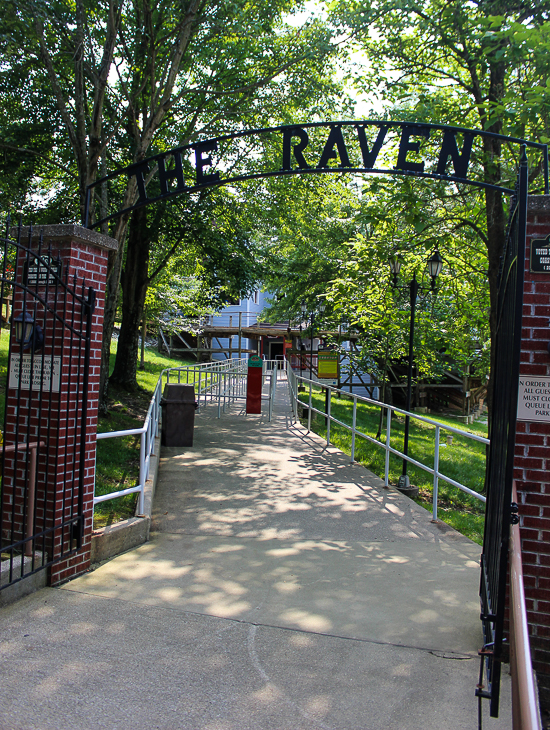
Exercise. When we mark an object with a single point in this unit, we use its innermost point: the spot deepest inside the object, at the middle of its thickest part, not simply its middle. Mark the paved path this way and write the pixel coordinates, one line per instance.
(282, 589)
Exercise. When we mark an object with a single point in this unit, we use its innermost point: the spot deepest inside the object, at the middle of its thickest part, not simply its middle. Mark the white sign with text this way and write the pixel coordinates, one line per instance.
(44, 376)
(534, 398)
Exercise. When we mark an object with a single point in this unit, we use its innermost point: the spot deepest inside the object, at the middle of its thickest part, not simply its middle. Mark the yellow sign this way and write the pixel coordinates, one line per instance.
(328, 366)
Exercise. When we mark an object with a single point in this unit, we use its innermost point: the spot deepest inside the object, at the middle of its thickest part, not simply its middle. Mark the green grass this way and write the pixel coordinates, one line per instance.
(470, 524)
(117, 467)
(463, 460)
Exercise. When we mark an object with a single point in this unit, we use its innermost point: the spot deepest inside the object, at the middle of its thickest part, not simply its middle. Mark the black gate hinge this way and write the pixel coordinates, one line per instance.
(514, 513)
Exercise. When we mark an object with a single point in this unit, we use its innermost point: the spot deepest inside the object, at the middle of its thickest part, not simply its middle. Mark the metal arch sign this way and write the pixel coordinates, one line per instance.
(436, 151)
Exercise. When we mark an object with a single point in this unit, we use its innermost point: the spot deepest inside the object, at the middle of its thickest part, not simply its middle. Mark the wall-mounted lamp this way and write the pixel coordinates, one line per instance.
(27, 333)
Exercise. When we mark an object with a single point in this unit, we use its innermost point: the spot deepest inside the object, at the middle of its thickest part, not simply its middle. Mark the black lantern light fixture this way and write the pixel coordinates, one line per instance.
(435, 265)
(396, 262)
(27, 333)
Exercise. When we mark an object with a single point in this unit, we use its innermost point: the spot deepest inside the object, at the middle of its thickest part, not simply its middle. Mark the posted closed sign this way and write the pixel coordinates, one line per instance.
(328, 365)
(44, 375)
(534, 398)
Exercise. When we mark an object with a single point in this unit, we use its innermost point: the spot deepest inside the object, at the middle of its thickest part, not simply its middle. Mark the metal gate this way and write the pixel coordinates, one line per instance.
(45, 351)
(499, 508)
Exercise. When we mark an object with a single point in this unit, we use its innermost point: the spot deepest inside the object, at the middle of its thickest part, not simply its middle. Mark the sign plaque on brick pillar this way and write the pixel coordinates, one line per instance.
(65, 273)
(532, 450)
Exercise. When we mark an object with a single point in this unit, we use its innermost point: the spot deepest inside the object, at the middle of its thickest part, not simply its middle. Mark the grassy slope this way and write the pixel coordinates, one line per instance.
(464, 460)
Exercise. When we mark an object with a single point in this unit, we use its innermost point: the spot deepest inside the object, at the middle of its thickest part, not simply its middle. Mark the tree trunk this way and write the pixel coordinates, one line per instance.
(134, 280)
(114, 265)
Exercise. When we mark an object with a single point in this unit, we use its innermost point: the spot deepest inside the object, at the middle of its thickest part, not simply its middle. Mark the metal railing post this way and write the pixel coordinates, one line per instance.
(329, 400)
(290, 378)
(388, 437)
(309, 409)
(353, 425)
(436, 475)
(142, 477)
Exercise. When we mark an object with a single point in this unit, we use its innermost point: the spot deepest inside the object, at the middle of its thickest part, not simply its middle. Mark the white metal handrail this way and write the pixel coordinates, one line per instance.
(210, 379)
(223, 381)
(207, 375)
(525, 709)
(148, 433)
(294, 380)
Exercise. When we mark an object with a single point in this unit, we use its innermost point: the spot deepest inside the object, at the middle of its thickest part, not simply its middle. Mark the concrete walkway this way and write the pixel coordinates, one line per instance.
(282, 589)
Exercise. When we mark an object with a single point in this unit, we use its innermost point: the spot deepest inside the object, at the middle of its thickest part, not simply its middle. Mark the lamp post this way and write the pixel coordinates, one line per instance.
(303, 309)
(435, 264)
(311, 320)
(343, 327)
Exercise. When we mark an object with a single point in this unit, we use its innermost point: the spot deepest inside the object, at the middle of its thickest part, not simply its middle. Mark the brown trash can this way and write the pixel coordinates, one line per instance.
(178, 414)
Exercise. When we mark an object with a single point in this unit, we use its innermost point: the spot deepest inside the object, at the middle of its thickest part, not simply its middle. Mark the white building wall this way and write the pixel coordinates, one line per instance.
(229, 316)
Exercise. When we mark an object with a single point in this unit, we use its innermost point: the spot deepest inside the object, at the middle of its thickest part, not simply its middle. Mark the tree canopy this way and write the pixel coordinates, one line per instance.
(124, 79)
(93, 87)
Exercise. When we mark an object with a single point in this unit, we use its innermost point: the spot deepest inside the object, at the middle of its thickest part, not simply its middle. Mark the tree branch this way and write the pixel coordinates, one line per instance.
(42, 156)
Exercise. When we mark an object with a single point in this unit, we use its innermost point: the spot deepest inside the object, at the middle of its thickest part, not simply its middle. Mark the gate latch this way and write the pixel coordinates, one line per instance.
(514, 513)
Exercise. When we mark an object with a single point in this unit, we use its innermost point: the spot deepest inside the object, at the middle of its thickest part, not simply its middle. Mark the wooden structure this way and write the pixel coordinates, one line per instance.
(207, 341)
(463, 395)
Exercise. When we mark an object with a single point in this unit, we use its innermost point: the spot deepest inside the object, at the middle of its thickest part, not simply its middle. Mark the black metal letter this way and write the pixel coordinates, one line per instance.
(406, 146)
(165, 176)
(288, 134)
(449, 149)
(369, 156)
(335, 138)
(201, 162)
(137, 172)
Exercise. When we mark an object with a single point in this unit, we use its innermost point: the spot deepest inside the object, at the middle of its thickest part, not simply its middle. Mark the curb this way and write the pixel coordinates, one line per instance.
(127, 534)
(31, 583)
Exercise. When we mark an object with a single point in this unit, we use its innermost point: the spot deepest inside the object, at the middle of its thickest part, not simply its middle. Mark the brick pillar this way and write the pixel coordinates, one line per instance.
(83, 254)
(532, 451)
